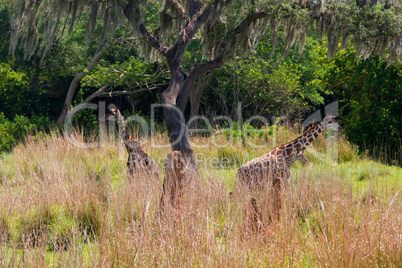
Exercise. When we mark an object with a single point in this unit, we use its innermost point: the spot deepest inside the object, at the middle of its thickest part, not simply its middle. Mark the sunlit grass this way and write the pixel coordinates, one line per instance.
(61, 205)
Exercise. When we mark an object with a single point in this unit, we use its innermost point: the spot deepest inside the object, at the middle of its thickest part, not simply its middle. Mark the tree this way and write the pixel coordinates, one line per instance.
(371, 102)
(258, 89)
(224, 27)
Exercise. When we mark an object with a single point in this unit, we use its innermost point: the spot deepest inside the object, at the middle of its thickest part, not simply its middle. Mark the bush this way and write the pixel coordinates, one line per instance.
(370, 95)
(16, 95)
(248, 131)
(7, 139)
(15, 131)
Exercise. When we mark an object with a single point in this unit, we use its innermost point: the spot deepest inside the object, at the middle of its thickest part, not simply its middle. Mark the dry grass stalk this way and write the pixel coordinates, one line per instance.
(65, 206)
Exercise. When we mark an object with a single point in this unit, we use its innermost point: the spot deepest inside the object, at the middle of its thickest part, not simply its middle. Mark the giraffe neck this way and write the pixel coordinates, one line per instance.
(307, 138)
(290, 160)
(128, 139)
(122, 126)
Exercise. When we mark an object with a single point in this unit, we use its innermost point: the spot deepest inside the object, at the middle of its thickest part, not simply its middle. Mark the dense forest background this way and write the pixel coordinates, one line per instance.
(33, 87)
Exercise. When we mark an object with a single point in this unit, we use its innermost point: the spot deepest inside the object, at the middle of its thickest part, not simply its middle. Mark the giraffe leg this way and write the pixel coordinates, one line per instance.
(257, 223)
(277, 199)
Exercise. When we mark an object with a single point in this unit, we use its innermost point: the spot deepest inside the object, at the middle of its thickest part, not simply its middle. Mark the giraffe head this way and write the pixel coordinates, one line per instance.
(329, 122)
(114, 111)
(298, 155)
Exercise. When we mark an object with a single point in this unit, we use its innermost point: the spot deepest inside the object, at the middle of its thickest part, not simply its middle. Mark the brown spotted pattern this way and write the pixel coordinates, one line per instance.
(278, 161)
(273, 169)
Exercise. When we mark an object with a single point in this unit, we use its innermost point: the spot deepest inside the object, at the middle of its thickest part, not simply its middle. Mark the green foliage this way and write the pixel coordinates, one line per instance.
(86, 120)
(371, 102)
(261, 89)
(14, 91)
(247, 131)
(16, 95)
(132, 72)
(4, 28)
(6, 138)
(308, 66)
(14, 131)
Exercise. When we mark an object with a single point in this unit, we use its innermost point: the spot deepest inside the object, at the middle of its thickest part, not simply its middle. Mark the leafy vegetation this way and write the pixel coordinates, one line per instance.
(371, 102)
(274, 68)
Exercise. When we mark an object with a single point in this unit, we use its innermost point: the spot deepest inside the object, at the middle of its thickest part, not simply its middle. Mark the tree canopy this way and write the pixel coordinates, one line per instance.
(218, 31)
(224, 26)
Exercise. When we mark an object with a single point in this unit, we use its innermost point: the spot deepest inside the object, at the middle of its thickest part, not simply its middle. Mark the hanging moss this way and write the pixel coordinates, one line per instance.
(373, 26)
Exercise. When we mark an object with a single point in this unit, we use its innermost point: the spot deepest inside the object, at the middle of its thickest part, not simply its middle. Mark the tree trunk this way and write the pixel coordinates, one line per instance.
(69, 98)
(195, 98)
(174, 119)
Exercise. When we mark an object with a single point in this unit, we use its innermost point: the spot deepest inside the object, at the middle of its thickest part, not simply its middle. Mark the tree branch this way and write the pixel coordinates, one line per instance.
(77, 79)
(243, 26)
(101, 93)
(193, 7)
(187, 34)
(155, 43)
(131, 10)
(215, 63)
(192, 77)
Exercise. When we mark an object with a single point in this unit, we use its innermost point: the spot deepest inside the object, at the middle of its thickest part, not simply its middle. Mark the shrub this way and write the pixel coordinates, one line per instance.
(7, 139)
(15, 131)
(247, 131)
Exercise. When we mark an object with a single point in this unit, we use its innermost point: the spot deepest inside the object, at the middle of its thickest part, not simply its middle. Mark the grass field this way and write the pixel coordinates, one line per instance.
(66, 206)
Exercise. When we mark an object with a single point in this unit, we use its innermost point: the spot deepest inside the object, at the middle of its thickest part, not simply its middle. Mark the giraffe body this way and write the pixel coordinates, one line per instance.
(269, 166)
(273, 169)
(278, 161)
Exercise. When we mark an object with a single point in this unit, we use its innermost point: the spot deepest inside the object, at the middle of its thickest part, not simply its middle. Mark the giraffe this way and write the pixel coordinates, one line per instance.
(138, 162)
(279, 176)
(255, 173)
(273, 168)
(278, 159)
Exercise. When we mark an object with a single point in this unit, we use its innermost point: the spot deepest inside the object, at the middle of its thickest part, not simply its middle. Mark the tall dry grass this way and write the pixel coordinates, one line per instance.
(65, 206)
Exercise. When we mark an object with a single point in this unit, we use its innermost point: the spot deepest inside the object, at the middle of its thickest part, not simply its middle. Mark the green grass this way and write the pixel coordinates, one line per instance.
(65, 206)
